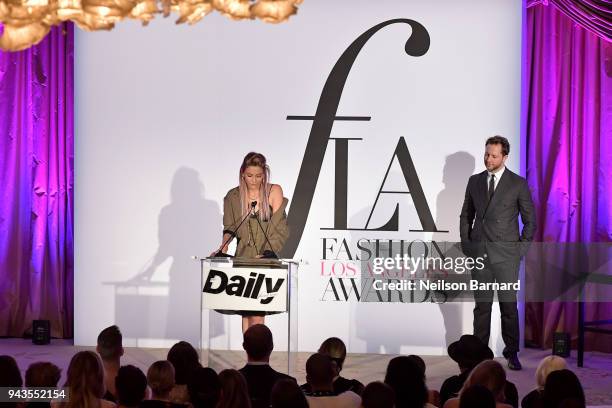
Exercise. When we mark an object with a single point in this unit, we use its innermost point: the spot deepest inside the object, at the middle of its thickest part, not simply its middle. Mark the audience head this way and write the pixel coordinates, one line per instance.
(378, 395)
(185, 360)
(42, 374)
(131, 385)
(562, 385)
(320, 372)
(234, 390)
(406, 378)
(336, 350)
(110, 345)
(10, 376)
(204, 388)
(85, 379)
(547, 366)
(572, 403)
(160, 377)
(258, 343)
(491, 375)
(477, 396)
(287, 394)
(469, 351)
(418, 361)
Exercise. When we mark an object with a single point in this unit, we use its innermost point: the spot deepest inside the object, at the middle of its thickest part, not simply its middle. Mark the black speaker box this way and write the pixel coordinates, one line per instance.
(41, 332)
(562, 344)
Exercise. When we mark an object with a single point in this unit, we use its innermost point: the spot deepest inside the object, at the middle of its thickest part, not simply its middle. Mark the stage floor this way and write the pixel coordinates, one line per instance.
(596, 376)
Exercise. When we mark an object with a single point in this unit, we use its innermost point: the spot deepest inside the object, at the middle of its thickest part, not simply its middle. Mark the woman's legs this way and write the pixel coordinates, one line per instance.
(248, 321)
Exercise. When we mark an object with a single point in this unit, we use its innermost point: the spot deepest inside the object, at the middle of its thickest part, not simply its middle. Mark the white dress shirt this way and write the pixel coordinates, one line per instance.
(498, 175)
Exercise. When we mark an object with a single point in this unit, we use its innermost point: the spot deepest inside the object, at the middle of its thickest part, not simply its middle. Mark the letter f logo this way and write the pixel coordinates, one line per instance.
(323, 121)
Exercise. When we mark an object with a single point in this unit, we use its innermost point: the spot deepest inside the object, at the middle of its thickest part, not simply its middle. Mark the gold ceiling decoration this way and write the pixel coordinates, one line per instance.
(27, 22)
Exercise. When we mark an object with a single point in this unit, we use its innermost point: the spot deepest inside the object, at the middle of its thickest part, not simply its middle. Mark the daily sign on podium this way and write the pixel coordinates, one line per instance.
(245, 288)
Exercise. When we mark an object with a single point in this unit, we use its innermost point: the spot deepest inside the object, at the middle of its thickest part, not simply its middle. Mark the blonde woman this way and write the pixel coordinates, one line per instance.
(234, 390)
(489, 374)
(85, 381)
(254, 212)
(546, 366)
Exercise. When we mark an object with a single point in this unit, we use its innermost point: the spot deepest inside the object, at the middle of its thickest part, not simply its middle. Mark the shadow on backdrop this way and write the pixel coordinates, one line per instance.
(458, 167)
(148, 307)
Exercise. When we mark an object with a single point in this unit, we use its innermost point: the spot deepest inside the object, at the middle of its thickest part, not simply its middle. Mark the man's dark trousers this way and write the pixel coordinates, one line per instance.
(497, 272)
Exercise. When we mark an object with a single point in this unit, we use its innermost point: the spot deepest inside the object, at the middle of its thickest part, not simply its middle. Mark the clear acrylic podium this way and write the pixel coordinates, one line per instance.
(228, 284)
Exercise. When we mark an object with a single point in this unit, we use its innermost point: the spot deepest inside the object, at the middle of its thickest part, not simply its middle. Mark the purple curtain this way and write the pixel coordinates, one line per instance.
(568, 152)
(594, 15)
(36, 179)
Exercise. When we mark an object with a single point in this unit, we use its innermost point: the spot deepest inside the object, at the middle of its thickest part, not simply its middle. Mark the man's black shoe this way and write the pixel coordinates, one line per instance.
(513, 362)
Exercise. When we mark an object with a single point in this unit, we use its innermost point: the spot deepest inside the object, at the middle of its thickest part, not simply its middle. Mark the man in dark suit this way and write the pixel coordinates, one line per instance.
(260, 377)
(489, 229)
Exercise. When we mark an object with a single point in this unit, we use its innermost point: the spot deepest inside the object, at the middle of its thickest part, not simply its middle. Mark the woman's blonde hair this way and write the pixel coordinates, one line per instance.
(160, 378)
(490, 374)
(547, 366)
(85, 380)
(335, 349)
(255, 160)
(234, 390)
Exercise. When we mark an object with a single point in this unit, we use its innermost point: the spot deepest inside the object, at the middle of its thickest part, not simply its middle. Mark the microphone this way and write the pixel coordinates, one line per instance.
(268, 253)
(232, 233)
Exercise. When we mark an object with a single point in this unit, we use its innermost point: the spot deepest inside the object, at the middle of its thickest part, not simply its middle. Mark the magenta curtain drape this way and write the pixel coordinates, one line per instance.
(568, 152)
(36, 179)
(593, 15)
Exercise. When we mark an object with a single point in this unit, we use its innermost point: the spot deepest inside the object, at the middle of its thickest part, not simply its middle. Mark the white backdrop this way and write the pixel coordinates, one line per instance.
(165, 114)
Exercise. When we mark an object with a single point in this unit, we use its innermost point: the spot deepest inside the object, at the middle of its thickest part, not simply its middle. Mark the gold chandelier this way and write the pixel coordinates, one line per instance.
(26, 22)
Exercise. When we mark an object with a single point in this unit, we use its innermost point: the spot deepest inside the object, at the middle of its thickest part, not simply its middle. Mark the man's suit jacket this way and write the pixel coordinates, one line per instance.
(260, 380)
(492, 228)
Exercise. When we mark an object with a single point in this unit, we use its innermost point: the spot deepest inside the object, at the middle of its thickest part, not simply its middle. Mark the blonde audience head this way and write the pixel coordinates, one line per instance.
(85, 379)
(335, 349)
(160, 378)
(489, 374)
(547, 366)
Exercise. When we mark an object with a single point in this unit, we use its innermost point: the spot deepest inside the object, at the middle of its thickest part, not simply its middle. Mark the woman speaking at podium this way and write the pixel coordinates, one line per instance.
(254, 212)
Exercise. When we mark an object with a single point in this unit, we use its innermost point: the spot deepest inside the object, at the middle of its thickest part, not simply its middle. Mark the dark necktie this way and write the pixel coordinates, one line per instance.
(491, 186)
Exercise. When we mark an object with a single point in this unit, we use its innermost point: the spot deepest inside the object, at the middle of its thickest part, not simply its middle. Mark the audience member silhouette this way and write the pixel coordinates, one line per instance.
(10, 376)
(562, 387)
(477, 396)
(110, 349)
(185, 360)
(405, 377)
(433, 396)
(85, 382)
(546, 366)
(378, 395)
(131, 386)
(489, 374)
(287, 394)
(42, 374)
(234, 391)
(260, 377)
(320, 373)
(468, 352)
(204, 388)
(336, 350)
(160, 377)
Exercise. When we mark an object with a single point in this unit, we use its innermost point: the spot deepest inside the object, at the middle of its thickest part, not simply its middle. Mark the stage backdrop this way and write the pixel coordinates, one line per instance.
(165, 114)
